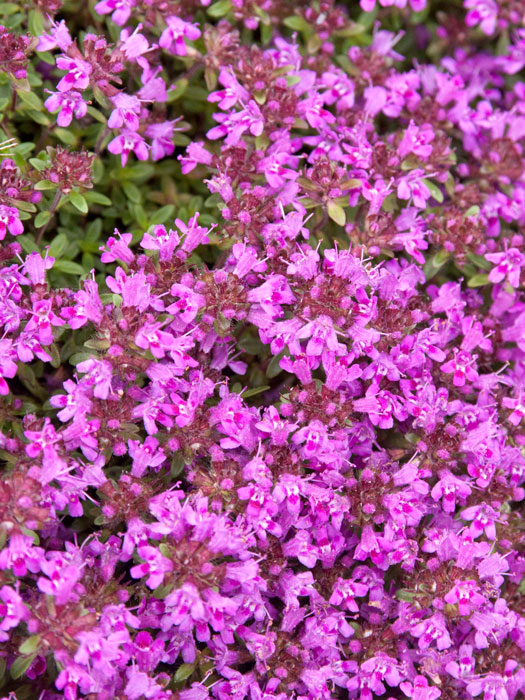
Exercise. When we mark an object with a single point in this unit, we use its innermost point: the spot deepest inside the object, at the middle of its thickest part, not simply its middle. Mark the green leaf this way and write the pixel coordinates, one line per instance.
(30, 645)
(478, 281)
(180, 139)
(184, 672)
(35, 22)
(20, 665)
(79, 357)
(58, 245)
(162, 215)
(140, 215)
(473, 210)
(31, 100)
(38, 164)
(132, 192)
(45, 185)
(219, 9)
(137, 173)
(69, 267)
(26, 206)
(210, 76)
(42, 218)
(434, 190)
(262, 142)
(8, 8)
(94, 197)
(297, 24)
(479, 261)
(178, 91)
(177, 464)
(351, 29)
(274, 368)
(55, 355)
(253, 392)
(336, 213)
(66, 136)
(79, 202)
(96, 114)
(433, 265)
(28, 244)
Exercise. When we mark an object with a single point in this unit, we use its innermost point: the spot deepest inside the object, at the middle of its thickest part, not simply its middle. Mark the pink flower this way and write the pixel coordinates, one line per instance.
(127, 142)
(161, 134)
(118, 248)
(10, 221)
(420, 689)
(78, 72)
(417, 140)
(517, 408)
(233, 92)
(508, 266)
(413, 188)
(67, 104)
(172, 38)
(12, 611)
(432, 629)
(127, 109)
(155, 566)
(145, 455)
(462, 366)
(58, 36)
(466, 595)
(449, 488)
(482, 12)
(120, 10)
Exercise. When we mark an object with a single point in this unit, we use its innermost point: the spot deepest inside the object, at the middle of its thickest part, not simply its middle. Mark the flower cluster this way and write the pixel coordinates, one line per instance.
(262, 397)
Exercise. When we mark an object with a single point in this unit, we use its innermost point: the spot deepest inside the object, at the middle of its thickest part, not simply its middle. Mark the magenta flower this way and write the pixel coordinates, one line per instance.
(78, 72)
(12, 611)
(161, 134)
(145, 455)
(233, 92)
(118, 248)
(462, 366)
(67, 104)
(155, 566)
(484, 13)
(127, 142)
(125, 112)
(508, 266)
(450, 488)
(466, 595)
(413, 188)
(432, 629)
(172, 38)
(10, 221)
(120, 10)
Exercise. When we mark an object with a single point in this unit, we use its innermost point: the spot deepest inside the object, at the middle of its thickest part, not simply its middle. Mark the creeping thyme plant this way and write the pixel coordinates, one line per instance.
(262, 358)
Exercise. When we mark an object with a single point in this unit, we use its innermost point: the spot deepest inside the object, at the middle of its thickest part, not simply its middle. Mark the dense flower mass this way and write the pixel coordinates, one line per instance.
(262, 350)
